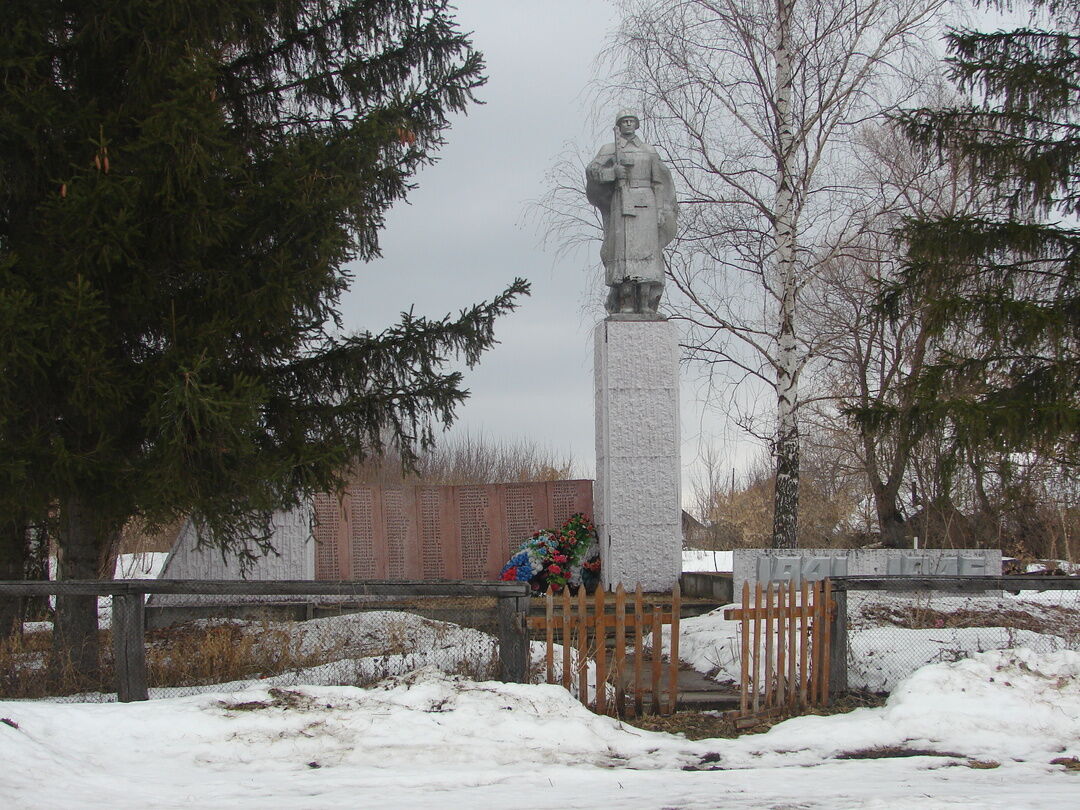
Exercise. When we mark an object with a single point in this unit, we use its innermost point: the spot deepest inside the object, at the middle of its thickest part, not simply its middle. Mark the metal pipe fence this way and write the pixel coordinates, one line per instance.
(332, 633)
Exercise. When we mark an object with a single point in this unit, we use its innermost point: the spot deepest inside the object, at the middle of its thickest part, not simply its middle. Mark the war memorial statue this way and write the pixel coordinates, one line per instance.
(632, 188)
(636, 370)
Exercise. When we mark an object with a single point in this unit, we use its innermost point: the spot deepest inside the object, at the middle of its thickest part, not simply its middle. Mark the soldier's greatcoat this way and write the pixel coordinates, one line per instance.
(639, 212)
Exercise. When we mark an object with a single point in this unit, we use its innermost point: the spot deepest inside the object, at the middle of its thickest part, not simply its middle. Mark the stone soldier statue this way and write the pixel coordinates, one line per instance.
(633, 190)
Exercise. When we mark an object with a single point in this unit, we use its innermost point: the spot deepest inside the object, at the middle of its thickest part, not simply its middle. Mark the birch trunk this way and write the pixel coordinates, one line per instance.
(786, 497)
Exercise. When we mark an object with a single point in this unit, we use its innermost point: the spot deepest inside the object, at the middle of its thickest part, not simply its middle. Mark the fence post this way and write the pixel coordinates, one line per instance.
(513, 639)
(838, 680)
(129, 650)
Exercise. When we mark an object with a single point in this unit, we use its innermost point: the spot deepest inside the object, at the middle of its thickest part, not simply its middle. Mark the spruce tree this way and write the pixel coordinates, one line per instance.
(182, 188)
(1005, 288)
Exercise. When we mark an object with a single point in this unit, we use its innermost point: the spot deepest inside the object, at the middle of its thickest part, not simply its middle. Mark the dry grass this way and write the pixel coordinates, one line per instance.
(900, 751)
(692, 725)
(1050, 619)
(469, 459)
(200, 654)
(185, 656)
(203, 653)
(30, 670)
(136, 538)
(896, 752)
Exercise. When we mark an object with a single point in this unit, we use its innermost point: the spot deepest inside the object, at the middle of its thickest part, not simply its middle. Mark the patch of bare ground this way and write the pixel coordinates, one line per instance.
(1048, 619)
(896, 752)
(279, 699)
(705, 725)
(900, 751)
(690, 724)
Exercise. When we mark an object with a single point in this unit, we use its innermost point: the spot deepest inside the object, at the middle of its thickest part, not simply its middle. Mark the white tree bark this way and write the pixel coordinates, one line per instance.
(757, 104)
(785, 223)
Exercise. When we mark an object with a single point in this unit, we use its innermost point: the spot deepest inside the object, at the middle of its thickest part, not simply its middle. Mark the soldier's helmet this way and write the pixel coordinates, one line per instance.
(627, 114)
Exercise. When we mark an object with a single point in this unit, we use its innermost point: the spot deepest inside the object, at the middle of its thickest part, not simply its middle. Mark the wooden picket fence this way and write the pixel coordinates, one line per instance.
(586, 626)
(785, 648)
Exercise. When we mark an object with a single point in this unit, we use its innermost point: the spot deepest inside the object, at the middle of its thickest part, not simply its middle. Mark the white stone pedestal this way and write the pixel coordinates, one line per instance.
(638, 512)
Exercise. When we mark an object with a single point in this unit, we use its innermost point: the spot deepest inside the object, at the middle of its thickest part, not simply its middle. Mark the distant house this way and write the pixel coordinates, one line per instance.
(694, 532)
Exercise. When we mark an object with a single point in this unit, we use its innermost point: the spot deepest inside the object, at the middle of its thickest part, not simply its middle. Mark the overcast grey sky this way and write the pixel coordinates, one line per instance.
(463, 237)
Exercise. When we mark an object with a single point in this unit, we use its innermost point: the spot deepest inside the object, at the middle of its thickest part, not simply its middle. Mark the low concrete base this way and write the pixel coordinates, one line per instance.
(708, 585)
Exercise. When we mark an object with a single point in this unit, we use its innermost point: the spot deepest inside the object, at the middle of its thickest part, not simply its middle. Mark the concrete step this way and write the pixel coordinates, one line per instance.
(711, 700)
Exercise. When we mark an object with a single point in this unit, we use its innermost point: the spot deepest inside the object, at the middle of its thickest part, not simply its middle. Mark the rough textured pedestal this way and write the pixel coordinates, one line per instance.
(638, 513)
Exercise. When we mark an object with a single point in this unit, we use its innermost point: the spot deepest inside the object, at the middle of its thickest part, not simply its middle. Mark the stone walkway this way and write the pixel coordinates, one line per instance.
(698, 693)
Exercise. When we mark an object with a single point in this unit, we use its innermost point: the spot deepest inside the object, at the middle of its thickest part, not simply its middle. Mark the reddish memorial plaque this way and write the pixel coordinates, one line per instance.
(436, 532)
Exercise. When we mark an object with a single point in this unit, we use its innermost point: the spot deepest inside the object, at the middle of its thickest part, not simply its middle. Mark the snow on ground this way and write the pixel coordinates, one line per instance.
(1043, 566)
(144, 565)
(359, 648)
(353, 648)
(427, 741)
(883, 648)
(699, 560)
(882, 652)
(709, 643)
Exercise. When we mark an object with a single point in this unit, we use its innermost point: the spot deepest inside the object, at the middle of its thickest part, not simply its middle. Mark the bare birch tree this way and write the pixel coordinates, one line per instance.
(756, 103)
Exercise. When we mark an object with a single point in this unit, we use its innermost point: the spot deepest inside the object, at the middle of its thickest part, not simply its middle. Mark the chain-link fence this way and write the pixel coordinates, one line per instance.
(350, 634)
(893, 626)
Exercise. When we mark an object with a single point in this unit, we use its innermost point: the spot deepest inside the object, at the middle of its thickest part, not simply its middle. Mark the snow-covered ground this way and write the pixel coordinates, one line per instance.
(353, 648)
(1044, 566)
(882, 652)
(699, 560)
(984, 732)
(358, 648)
(145, 565)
